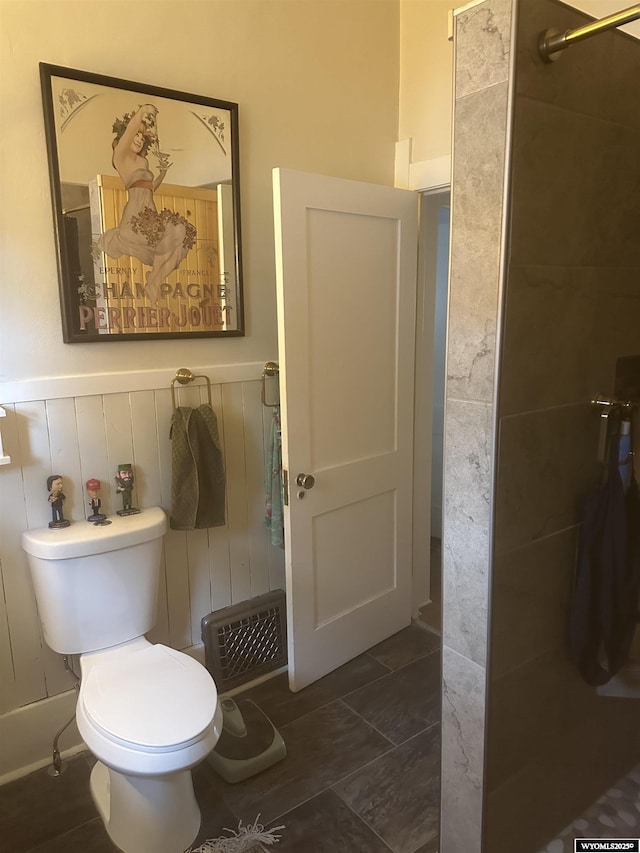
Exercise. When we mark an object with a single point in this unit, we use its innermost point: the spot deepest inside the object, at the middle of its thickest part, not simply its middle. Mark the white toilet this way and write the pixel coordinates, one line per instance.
(147, 712)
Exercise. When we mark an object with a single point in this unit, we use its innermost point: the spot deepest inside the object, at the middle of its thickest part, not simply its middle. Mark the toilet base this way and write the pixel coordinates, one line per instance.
(146, 814)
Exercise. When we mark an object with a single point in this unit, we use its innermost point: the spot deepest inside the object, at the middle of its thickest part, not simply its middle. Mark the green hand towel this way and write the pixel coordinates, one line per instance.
(197, 470)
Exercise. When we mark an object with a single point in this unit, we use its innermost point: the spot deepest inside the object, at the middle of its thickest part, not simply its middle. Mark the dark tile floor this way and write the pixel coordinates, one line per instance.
(361, 773)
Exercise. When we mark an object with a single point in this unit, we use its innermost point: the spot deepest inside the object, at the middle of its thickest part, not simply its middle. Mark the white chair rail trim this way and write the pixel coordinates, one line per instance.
(90, 384)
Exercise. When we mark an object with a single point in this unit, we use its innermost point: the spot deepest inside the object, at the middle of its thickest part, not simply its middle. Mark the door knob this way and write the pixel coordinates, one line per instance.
(305, 480)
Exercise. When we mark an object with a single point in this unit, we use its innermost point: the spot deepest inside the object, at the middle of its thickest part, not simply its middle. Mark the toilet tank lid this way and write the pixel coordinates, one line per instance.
(82, 538)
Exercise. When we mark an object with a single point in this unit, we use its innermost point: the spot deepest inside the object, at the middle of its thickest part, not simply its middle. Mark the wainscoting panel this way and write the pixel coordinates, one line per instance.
(31, 664)
(89, 436)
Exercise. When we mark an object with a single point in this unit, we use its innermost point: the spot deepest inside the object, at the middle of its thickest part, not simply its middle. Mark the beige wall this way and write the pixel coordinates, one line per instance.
(318, 87)
(317, 84)
(425, 77)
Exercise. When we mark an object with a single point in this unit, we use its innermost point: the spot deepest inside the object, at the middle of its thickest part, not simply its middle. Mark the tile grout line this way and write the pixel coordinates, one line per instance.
(368, 764)
(365, 822)
(44, 844)
(393, 671)
(330, 788)
(342, 696)
(373, 728)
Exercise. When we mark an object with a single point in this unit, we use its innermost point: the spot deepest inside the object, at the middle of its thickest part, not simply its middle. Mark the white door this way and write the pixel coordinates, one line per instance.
(346, 277)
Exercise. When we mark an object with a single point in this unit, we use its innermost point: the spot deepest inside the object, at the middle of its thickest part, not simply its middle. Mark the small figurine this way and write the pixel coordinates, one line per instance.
(124, 486)
(56, 499)
(93, 487)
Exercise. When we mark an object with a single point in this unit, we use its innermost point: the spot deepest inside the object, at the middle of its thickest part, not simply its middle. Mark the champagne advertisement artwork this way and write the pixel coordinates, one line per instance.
(145, 190)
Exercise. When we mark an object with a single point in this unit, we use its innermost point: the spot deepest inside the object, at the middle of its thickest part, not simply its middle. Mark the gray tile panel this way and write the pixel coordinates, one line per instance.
(408, 702)
(398, 795)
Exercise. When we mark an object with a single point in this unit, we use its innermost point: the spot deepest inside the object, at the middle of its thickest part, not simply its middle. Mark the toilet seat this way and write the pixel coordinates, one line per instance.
(153, 699)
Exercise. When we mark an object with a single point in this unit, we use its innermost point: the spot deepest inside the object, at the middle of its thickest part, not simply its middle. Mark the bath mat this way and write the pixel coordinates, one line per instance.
(245, 840)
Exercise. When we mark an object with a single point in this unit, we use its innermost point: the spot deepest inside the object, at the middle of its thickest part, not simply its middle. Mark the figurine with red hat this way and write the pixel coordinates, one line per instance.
(93, 489)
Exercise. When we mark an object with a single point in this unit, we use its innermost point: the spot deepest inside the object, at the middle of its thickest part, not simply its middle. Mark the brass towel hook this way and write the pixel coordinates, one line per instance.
(184, 376)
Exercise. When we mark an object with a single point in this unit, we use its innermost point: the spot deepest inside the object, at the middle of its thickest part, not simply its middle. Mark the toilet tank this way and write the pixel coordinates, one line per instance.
(96, 585)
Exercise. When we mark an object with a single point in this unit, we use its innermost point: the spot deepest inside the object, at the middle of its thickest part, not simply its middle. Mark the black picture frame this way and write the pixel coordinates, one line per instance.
(141, 255)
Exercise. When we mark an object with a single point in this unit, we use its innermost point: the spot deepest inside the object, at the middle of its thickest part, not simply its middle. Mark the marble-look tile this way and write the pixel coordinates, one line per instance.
(39, 807)
(466, 524)
(398, 795)
(547, 463)
(322, 748)
(530, 594)
(404, 703)
(463, 725)
(326, 825)
(404, 647)
(483, 36)
(478, 178)
(545, 308)
(282, 706)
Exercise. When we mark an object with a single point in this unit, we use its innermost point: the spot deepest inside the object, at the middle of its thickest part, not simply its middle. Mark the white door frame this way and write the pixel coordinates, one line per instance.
(423, 176)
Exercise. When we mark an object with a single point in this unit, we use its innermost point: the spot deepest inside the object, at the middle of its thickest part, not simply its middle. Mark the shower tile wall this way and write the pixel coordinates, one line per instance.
(203, 570)
(481, 73)
(572, 306)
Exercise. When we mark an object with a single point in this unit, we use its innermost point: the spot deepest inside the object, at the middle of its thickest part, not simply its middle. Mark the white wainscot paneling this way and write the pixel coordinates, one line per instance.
(87, 437)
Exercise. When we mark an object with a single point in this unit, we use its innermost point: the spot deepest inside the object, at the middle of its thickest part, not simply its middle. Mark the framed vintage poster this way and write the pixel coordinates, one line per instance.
(146, 204)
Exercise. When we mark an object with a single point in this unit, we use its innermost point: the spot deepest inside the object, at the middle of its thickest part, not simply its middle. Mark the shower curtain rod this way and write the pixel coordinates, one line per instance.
(551, 42)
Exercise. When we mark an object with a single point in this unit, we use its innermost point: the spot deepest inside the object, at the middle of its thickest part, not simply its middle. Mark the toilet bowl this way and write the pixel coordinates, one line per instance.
(147, 712)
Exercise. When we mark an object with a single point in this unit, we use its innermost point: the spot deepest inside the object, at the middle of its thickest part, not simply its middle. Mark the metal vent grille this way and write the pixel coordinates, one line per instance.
(245, 640)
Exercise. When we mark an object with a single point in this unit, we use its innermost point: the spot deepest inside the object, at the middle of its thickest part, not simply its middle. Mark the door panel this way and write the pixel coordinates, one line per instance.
(360, 534)
(346, 268)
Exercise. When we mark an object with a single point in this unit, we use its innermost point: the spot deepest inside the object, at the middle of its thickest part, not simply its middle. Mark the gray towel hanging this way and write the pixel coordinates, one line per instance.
(197, 470)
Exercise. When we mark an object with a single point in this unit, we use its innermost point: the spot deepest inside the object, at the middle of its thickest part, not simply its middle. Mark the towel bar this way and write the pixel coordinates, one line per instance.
(184, 376)
(271, 368)
(607, 406)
